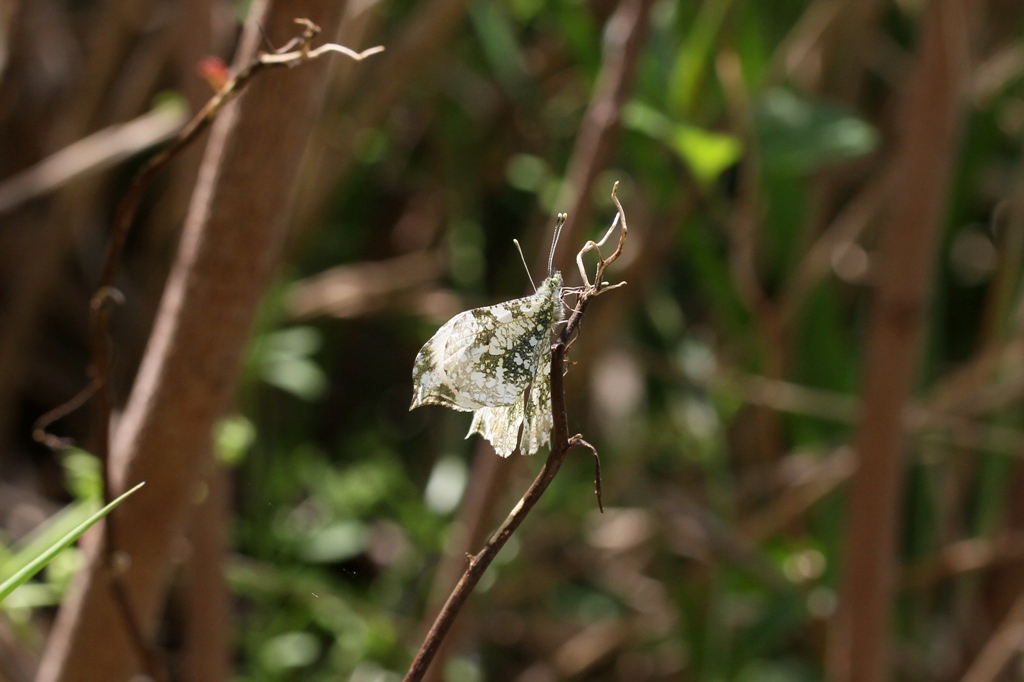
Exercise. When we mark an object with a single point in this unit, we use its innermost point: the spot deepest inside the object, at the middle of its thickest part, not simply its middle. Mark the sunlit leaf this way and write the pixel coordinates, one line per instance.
(337, 542)
(707, 153)
(691, 65)
(38, 562)
(800, 135)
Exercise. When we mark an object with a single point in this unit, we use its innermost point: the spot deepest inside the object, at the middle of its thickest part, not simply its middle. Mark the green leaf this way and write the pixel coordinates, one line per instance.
(692, 61)
(339, 541)
(296, 375)
(799, 135)
(646, 119)
(47, 534)
(707, 153)
(232, 439)
(499, 42)
(283, 360)
(37, 564)
(84, 475)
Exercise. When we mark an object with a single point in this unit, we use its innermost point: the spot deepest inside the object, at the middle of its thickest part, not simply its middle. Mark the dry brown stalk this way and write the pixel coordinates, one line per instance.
(965, 556)
(208, 603)
(928, 147)
(846, 228)
(97, 152)
(1000, 648)
(193, 355)
(363, 288)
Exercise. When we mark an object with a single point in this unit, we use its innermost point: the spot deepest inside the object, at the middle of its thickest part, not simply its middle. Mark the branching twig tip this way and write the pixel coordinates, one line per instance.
(578, 440)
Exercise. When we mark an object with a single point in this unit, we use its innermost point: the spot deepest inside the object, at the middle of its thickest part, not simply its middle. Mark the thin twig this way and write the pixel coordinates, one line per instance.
(296, 52)
(561, 443)
(848, 226)
(578, 440)
(1001, 647)
(39, 429)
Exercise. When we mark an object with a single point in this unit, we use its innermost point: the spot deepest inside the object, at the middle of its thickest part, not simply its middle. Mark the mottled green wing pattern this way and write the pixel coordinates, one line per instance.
(538, 420)
(499, 425)
(483, 360)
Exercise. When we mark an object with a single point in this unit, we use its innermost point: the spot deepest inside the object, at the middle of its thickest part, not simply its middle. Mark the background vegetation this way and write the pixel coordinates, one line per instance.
(767, 157)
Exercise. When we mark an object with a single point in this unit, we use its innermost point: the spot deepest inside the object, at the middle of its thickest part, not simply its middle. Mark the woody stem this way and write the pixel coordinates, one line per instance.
(478, 563)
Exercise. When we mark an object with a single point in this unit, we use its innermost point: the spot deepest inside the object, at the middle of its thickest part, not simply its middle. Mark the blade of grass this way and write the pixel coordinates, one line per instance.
(46, 534)
(37, 564)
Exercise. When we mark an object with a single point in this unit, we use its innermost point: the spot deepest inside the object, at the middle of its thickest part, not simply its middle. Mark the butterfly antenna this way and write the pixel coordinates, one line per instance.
(559, 222)
(523, 258)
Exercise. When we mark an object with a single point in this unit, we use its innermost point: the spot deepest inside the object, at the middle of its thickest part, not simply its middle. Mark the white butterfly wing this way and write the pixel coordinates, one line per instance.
(537, 420)
(485, 357)
(499, 425)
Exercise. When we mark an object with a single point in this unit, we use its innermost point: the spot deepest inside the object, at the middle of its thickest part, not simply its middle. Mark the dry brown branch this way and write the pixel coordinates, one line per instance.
(993, 379)
(49, 235)
(18, 659)
(745, 221)
(354, 290)
(929, 130)
(744, 235)
(1000, 648)
(98, 152)
(792, 502)
(561, 443)
(193, 356)
(296, 52)
(419, 44)
(798, 55)
(589, 647)
(784, 396)
(847, 228)
(964, 556)
(717, 538)
(488, 480)
(996, 72)
(208, 604)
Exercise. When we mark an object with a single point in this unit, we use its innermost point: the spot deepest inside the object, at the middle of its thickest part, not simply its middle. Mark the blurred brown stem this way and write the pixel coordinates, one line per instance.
(236, 189)
(207, 638)
(1000, 648)
(924, 161)
(97, 152)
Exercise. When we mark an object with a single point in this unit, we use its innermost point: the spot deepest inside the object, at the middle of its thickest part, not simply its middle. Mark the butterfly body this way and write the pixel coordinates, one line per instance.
(495, 361)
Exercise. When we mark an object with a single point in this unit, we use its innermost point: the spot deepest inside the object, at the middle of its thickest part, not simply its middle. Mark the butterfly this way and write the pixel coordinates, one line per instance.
(495, 362)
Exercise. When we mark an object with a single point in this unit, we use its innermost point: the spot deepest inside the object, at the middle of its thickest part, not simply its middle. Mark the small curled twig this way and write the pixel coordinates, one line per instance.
(578, 440)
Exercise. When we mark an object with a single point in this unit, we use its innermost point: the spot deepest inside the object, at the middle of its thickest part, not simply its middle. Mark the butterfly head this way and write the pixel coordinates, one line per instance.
(551, 287)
